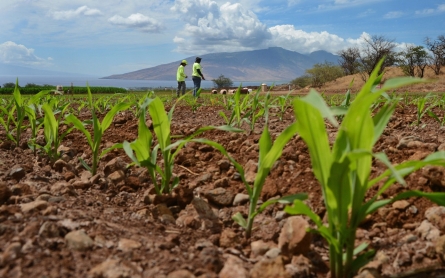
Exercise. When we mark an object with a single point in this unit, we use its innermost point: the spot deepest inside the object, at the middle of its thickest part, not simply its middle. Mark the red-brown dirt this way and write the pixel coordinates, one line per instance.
(59, 221)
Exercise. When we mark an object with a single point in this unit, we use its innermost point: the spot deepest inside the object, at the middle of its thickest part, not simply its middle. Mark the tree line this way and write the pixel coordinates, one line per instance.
(413, 60)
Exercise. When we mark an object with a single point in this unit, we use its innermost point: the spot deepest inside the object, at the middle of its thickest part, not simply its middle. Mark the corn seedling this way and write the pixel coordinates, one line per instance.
(421, 107)
(344, 171)
(98, 129)
(51, 126)
(143, 153)
(269, 153)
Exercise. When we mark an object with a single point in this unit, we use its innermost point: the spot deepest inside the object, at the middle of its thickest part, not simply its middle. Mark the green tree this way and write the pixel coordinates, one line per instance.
(9, 85)
(376, 48)
(413, 60)
(302, 81)
(437, 48)
(222, 82)
(31, 85)
(322, 73)
(349, 60)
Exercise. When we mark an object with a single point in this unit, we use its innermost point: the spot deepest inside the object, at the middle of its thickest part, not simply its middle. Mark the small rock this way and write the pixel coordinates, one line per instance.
(117, 176)
(273, 253)
(240, 199)
(223, 182)
(233, 267)
(428, 231)
(299, 267)
(220, 196)
(401, 204)
(114, 165)
(224, 165)
(17, 173)
(35, 205)
(250, 170)
(229, 239)
(269, 268)
(49, 230)
(81, 184)
(114, 269)
(78, 240)
(259, 247)
(294, 239)
(127, 245)
(436, 216)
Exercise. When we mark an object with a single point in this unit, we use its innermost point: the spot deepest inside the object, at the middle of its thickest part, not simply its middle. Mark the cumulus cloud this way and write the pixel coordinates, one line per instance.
(68, 14)
(212, 28)
(137, 21)
(18, 54)
(290, 38)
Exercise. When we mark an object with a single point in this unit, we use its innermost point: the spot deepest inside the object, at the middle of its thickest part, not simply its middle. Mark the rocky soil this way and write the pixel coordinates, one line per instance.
(60, 221)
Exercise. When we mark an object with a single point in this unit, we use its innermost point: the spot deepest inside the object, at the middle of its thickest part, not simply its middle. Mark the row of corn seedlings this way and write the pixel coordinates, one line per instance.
(343, 169)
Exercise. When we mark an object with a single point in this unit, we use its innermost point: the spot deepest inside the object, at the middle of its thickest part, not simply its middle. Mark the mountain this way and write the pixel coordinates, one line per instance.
(272, 64)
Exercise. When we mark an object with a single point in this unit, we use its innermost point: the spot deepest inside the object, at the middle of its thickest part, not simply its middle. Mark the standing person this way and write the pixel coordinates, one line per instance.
(196, 76)
(180, 77)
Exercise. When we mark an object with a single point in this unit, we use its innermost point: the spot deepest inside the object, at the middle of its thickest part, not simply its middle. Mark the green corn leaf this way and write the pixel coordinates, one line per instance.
(161, 123)
(381, 119)
(283, 200)
(317, 101)
(265, 144)
(238, 218)
(80, 126)
(106, 122)
(312, 129)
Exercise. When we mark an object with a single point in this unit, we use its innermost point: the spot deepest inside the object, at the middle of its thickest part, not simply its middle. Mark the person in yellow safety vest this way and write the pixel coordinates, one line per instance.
(197, 75)
(180, 77)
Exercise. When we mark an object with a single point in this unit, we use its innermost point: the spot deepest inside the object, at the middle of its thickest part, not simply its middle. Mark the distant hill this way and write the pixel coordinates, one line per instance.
(272, 64)
(12, 70)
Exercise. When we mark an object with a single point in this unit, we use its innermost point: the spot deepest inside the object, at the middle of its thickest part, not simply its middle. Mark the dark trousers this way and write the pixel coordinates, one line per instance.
(196, 85)
(181, 88)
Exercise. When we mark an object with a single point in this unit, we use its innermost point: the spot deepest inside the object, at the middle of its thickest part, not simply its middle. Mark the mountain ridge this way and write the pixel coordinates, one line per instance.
(271, 64)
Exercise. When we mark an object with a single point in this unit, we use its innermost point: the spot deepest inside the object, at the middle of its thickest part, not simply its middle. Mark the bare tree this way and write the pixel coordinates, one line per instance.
(413, 60)
(437, 48)
(349, 60)
(375, 49)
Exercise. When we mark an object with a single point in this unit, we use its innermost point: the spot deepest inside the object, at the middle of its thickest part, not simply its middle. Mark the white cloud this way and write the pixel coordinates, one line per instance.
(395, 14)
(288, 37)
(440, 9)
(68, 14)
(137, 21)
(18, 54)
(213, 28)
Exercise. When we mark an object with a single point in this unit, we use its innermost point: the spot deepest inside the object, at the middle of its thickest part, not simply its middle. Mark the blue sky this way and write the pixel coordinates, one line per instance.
(117, 36)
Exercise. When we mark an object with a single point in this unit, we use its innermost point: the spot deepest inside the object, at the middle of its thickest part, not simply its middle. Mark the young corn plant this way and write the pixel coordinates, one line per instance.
(99, 129)
(344, 170)
(422, 109)
(20, 113)
(269, 153)
(283, 105)
(143, 152)
(8, 111)
(33, 110)
(51, 125)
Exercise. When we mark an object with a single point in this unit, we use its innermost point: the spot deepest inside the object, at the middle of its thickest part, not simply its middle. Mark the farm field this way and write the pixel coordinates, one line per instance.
(59, 219)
